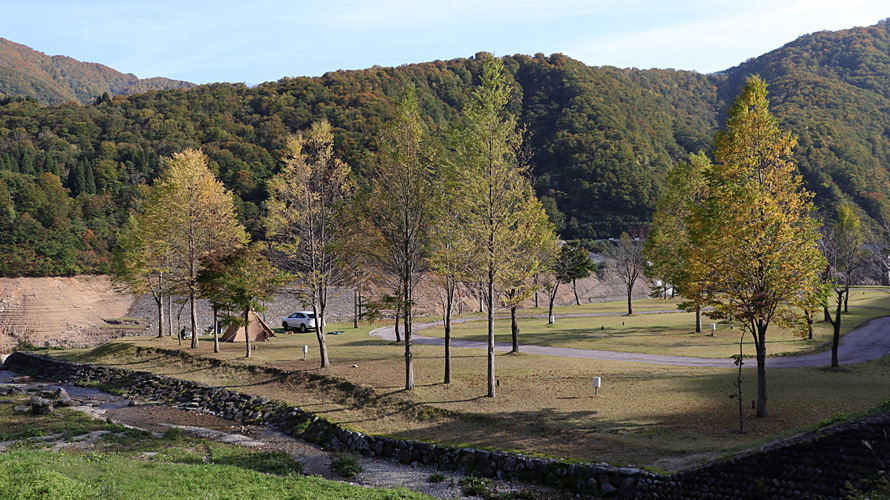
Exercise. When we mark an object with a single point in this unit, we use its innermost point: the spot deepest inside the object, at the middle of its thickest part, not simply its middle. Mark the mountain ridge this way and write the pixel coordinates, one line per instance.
(25, 72)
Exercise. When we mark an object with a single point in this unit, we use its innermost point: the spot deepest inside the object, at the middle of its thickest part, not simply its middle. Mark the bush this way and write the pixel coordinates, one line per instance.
(438, 477)
(475, 487)
(346, 465)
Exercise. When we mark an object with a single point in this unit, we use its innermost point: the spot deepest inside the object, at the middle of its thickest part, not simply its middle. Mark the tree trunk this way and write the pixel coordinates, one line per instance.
(847, 296)
(246, 333)
(836, 323)
(215, 329)
(552, 298)
(761, 370)
(409, 356)
(320, 334)
(697, 318)
(575, 291)
(398, 317)
(514, 329)
(450, 303)
(739, 384)
(160, 303)
(355, 301)
(630, 306)
(809, 319)
(489, 303)
(194, 318)
(169, 314)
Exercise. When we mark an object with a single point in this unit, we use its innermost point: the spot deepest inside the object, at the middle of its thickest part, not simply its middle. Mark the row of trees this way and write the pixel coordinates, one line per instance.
(465, 211)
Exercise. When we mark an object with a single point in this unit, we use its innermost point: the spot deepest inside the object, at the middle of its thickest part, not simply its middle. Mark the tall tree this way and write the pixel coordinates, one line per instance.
(667, 244)
(496, 191)
(452, 254)
(534, 247)
(142, 263)
(571, 262)
(305, 219)
(403, 207)
(193, 215)
(753, 241)
(843, 244)
(629, 264)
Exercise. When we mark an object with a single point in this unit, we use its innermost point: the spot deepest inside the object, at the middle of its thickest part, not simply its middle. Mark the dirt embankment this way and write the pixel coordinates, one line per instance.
(65, 311)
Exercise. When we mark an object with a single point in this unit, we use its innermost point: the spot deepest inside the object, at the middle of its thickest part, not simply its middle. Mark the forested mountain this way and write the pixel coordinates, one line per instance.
(600, 138)
(24, 72)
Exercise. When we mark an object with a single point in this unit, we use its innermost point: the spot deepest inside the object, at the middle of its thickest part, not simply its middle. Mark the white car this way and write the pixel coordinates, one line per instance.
(300, 320)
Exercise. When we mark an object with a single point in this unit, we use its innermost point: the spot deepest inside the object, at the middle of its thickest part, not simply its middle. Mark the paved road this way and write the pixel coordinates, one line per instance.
(868, 342)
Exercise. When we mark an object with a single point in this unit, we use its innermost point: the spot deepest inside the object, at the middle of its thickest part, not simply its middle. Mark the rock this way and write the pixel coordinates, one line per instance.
(41, 406)
(66, 402)
(61, 393)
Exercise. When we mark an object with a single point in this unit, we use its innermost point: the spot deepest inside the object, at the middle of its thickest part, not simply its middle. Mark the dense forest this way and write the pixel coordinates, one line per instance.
(599, 138)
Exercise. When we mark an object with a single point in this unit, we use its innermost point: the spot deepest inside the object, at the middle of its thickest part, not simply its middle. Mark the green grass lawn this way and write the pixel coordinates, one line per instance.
(671, 334)
(103, 476)
(131, 464)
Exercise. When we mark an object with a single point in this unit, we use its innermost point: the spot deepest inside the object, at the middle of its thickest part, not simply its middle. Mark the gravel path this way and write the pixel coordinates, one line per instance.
(156, 418)
(868, 342)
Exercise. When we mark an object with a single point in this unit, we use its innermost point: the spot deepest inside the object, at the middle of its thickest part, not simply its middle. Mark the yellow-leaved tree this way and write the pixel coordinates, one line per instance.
(753, 239)
(189, 214)
(305, 220)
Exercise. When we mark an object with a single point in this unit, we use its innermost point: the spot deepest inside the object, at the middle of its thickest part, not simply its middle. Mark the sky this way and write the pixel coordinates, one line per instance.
(255, 41)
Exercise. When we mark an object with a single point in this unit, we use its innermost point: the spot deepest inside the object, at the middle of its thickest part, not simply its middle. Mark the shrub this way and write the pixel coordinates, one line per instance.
(346, 465)
(475, 487)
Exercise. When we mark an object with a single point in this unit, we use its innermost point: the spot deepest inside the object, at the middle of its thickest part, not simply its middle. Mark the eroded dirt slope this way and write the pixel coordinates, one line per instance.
(64, 311)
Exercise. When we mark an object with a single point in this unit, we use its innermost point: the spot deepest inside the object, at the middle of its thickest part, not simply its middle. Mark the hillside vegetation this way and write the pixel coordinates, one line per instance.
(24, 72)
(600, 138)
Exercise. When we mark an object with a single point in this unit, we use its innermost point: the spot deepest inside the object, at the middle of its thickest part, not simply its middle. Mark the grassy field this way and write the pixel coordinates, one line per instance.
(672, 334)
(126, 464)
(646, 415)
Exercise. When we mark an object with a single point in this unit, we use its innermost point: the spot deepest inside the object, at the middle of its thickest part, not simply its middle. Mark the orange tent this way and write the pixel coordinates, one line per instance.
(258, 330)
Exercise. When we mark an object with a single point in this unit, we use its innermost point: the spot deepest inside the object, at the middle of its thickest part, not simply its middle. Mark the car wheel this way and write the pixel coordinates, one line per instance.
(284, 325)
(302, 327)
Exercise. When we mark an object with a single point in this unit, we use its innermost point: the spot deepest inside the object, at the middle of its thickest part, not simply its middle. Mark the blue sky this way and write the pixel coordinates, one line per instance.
(255, 41)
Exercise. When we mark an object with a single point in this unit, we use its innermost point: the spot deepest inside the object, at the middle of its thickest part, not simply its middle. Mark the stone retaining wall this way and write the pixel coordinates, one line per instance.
(820, 465)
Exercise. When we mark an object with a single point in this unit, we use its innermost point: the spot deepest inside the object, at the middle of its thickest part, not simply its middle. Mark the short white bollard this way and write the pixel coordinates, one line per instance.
(305, 351)
(597, 383)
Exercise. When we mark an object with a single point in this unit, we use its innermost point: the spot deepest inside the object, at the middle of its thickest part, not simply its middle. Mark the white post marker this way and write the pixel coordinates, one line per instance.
(305, 351)
(597, 383)
(713, 327)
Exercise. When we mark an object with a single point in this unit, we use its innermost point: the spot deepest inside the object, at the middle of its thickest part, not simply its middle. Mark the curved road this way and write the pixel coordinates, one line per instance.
(868, 342)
